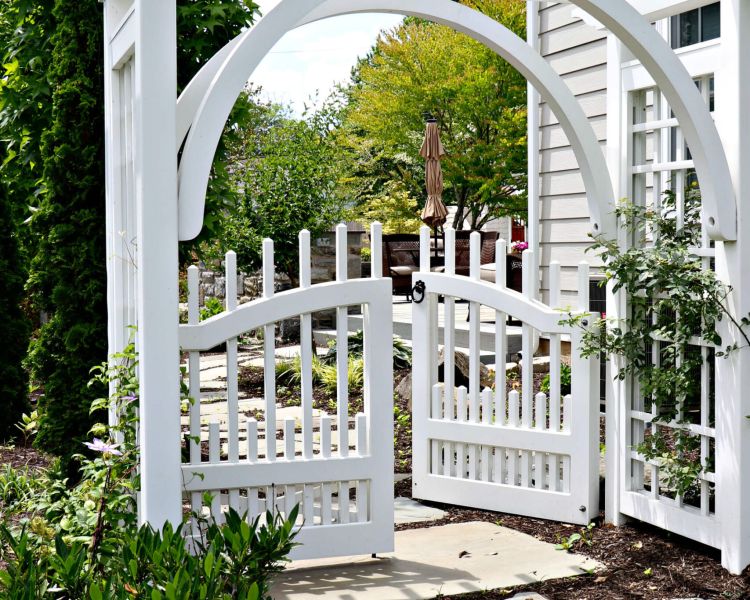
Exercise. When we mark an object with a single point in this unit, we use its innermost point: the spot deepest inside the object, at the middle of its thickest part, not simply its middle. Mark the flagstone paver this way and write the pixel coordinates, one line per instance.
(407, 510)
(449, 559)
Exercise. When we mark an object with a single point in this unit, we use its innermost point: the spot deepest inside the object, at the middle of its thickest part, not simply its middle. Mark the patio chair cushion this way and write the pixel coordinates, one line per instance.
(404, 269)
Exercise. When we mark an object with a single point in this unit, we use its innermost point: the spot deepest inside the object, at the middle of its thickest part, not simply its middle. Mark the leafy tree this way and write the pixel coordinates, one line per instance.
(288, 171)
(420, 69)
(203, 27)
(14, 328)
(394, 208)
(67, 275)
(68, 272)
(25, 107)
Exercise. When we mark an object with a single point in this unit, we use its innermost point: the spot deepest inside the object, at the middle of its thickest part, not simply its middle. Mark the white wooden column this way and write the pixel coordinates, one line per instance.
(534, 120)
(733, 265)
(616, 391)
(156, 197)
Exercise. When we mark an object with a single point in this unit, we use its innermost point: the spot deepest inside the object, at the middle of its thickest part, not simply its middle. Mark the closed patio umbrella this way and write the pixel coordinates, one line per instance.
(434, 213)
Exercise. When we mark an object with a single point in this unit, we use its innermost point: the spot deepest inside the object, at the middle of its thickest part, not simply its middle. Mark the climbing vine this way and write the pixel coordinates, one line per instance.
(673, 301)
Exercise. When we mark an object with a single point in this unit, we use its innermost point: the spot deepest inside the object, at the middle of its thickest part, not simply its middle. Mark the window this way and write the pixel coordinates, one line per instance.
(695, 26)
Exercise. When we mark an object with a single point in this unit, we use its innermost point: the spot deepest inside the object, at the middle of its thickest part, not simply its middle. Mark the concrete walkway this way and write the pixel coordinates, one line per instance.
(449, 559)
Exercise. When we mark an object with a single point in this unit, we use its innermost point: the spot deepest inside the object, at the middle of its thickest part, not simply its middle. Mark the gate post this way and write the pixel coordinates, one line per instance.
(156, 199)
(424, 364)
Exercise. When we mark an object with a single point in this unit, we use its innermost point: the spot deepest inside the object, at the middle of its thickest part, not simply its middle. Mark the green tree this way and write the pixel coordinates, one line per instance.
(67, 275)
(25, 107)
(420, 69)
(14, 327)
(68, 272)
(288, 171)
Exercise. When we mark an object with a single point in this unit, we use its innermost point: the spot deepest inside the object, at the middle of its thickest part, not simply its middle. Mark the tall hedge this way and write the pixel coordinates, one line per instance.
(68, 271)
(14, 327)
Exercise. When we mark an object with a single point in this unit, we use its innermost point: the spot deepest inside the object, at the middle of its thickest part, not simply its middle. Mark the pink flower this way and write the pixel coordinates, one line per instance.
(519, 246)
(100, 446)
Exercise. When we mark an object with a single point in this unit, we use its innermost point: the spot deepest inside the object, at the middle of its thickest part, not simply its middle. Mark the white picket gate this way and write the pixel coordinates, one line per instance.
(341, 478)
(527, 454)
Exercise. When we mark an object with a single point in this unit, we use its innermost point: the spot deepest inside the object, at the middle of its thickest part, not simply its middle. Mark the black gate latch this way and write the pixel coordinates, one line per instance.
(419, 288)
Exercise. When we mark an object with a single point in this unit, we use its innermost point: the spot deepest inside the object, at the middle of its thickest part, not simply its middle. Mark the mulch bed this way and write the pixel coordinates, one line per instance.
(20, 457)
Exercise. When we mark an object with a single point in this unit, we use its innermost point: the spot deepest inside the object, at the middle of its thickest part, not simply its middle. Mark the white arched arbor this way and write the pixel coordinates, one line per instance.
(145, 37)
(207, 101)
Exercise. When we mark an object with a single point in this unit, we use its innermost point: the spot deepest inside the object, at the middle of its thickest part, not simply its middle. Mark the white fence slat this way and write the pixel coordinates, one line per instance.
(473, 459)
(214, 457)
(513, 406)
(251, 429)
(567, 412)
(342, 345)
(230, 272)
(461, 411)
(326, 423)
(194, 367)
(306, 349)
(363, 501)
(376, 250)
(289, 442)
(343, 513)
(448, 470)
(342, 378)
(474, 406)
(435, 414)
(450, 251)
(449, 327)
(424, 249)
(475, 250)
(540, 410)
(437, 397)
(501, 340)
(487, 416)
(527, 374)
(269, 353)
(305, 272)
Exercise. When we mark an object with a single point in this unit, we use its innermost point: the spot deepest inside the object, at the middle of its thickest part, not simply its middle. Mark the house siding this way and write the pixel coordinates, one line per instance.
(578, 53)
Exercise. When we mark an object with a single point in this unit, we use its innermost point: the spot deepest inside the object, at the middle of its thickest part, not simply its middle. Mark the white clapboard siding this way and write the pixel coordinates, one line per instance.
(578, 53)
(523, 452)
(313, 463)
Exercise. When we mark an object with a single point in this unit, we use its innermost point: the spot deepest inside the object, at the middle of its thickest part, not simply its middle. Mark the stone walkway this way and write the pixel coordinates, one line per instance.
(449, 559)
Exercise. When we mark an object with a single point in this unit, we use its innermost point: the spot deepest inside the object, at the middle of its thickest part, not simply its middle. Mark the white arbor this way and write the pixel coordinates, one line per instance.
(153, 202)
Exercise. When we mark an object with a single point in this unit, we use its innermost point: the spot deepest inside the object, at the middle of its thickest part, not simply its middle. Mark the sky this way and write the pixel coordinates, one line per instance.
(312, 59)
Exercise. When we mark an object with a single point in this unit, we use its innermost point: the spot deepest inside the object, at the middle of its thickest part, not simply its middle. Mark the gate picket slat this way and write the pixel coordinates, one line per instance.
(363, 501)
(435, 445)
(342, 346)
(194, 382)
(214, 457)
(501, 341)
(251, 428)
(306, 349)
(449, 327)
(326, 423)
(269, 353)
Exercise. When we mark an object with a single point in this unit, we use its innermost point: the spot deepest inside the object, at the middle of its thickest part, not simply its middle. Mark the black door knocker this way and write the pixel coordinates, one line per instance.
(419, 288)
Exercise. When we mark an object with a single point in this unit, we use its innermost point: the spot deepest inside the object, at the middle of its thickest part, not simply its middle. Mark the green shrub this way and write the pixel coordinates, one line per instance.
(355, 375)
(84, 542)
(211, 308)
(564, 381)
(16, 485)
(401, 351)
